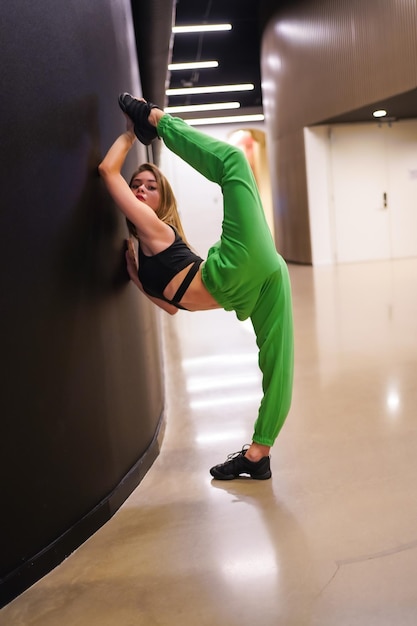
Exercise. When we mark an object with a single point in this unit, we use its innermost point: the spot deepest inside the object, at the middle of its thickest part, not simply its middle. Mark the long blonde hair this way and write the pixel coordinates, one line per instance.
(167, 210)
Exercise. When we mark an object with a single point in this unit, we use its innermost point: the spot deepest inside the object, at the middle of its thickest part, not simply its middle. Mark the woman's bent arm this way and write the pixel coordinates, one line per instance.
(151, 230)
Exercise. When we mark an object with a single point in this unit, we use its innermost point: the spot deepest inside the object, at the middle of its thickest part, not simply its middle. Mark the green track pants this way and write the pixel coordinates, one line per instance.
(243, 270)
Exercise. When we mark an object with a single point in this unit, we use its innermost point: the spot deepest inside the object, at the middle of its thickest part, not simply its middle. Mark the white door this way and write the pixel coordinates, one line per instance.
(402, 188)
(374, 179)
(359, 179)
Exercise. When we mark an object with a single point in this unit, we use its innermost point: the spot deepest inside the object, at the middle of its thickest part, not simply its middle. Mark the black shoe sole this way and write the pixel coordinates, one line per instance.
(139, 112)
(220, 476)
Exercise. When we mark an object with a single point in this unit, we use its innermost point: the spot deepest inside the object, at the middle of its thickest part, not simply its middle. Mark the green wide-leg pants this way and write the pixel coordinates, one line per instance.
(243, 270)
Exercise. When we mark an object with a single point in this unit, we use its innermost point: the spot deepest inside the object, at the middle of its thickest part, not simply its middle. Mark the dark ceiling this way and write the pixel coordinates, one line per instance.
(398, 107)
(237, 51)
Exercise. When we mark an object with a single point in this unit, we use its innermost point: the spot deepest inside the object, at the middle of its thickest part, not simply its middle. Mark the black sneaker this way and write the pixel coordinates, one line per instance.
(236, 464)
(138, 111)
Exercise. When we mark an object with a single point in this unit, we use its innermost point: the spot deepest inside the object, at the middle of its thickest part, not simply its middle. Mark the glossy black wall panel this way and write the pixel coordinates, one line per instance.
(81, 383)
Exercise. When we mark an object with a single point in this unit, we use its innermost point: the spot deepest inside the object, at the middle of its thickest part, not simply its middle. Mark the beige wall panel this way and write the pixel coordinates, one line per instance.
(289, 188)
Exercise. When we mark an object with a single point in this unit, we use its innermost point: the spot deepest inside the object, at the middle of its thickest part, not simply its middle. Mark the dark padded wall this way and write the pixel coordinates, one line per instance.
(82, 392)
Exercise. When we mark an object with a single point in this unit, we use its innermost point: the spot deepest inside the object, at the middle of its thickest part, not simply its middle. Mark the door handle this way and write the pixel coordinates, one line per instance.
(385, 199)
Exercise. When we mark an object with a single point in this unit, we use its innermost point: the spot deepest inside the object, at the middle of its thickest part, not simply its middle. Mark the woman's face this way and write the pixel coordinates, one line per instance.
(145, 188)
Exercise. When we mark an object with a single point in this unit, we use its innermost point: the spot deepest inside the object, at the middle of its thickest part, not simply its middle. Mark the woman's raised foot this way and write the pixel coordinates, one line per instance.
(139, 112)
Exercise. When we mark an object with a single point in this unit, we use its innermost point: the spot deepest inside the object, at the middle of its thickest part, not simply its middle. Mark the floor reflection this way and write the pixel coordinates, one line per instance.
(331, 540)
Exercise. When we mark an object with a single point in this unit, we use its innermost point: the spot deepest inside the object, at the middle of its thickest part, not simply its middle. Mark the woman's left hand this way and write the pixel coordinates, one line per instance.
(132, 268)
(132, 263)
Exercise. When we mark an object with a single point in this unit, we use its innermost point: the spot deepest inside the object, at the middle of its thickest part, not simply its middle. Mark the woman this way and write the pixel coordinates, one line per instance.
(243, 272)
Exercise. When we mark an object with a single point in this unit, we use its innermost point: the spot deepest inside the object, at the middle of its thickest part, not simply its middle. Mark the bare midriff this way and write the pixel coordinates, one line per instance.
(196, 298)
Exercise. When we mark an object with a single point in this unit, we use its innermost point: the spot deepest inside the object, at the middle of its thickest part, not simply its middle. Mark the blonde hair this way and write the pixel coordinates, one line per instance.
(167, 210)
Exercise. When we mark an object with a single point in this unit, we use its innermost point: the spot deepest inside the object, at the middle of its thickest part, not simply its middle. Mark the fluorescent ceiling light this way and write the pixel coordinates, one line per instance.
(201, 28)
(230, 119)
(379, 113)
(197, 65)
(183, 91)
(190, 108)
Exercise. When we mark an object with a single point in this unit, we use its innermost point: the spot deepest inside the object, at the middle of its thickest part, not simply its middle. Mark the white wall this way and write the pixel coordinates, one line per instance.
(318, 166)
(200, 201)
(362, 191)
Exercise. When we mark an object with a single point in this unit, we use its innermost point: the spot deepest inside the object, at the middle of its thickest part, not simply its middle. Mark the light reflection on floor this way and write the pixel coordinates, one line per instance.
(331, 540)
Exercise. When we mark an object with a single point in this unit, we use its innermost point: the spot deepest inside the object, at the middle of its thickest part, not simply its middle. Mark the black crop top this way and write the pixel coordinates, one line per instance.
(156, 271)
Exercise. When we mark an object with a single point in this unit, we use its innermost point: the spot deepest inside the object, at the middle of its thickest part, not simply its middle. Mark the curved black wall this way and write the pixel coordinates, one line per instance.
(82, 393)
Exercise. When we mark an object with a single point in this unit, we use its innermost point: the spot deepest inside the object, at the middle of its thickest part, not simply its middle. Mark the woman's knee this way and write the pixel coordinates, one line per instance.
(235, 165)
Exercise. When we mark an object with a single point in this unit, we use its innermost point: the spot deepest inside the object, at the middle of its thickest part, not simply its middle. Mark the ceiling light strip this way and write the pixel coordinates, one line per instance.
(196, 65)
(379, 113)
(230, 119)
(184, 91)
(193, 108)
(201, 28)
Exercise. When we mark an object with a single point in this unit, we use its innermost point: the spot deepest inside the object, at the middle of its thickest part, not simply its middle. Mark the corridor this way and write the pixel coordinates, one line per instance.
(331, 540)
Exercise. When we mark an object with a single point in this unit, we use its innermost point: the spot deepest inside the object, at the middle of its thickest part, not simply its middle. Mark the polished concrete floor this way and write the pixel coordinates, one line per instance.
(331, 540)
